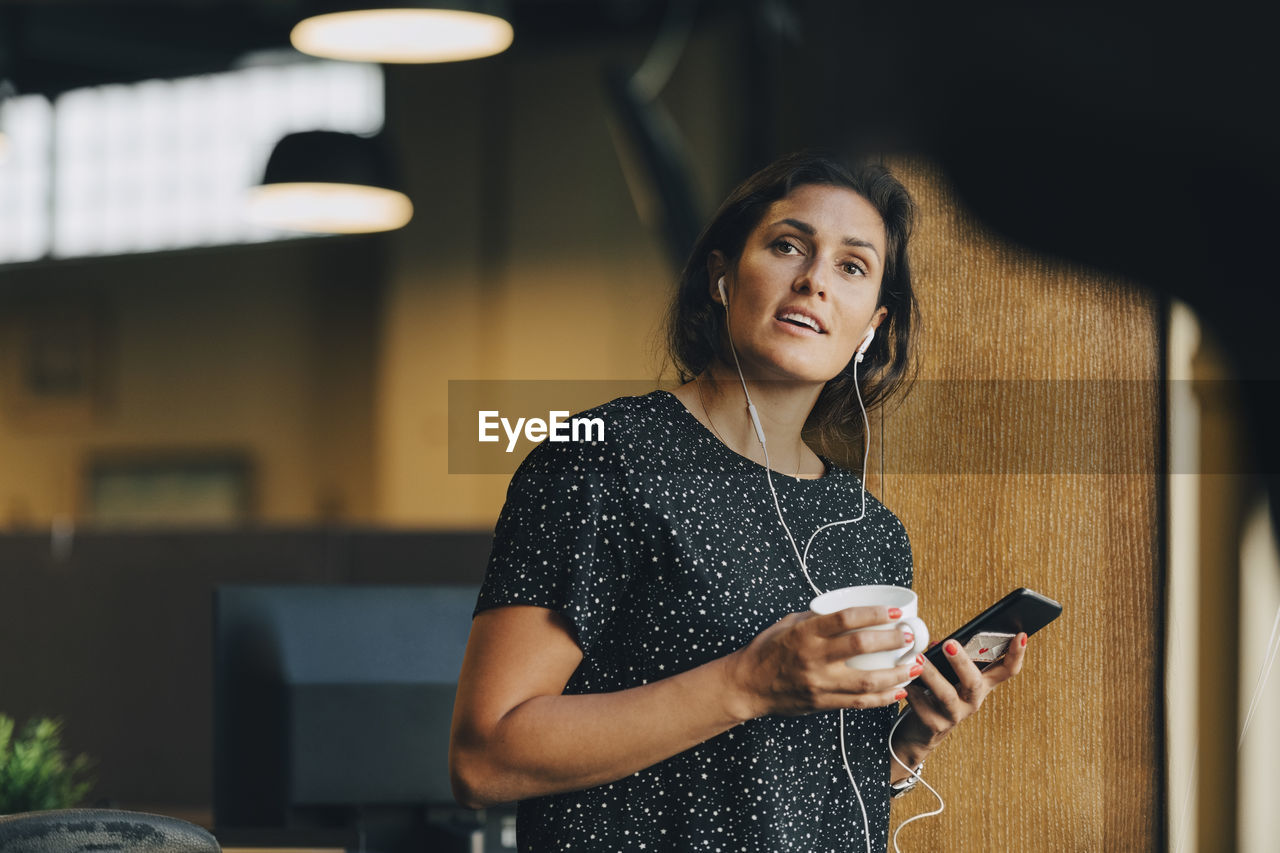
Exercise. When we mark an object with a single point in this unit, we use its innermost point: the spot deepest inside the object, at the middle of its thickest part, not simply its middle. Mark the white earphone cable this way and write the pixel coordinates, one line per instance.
(844, 755)
(866, 454)
(941, 805)
(802, 559)
(768, 472)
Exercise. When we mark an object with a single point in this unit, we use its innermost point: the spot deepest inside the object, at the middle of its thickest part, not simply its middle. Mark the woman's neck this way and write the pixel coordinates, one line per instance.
(783, 407)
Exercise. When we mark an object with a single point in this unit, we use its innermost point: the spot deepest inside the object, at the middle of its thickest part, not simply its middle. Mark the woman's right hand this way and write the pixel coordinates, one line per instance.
(797, 666)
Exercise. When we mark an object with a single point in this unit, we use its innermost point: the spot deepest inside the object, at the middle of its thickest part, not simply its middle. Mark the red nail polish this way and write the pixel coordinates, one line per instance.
(915, 670)
(952, 647)
(1023, 640)
(908, 638)
(895, 613)
(901, 694)
(920, 659)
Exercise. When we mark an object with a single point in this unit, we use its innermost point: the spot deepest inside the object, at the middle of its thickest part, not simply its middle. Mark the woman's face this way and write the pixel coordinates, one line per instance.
(805, 290)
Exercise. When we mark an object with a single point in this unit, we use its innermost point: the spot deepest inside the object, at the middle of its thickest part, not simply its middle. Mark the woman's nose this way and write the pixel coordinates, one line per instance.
(808, 281)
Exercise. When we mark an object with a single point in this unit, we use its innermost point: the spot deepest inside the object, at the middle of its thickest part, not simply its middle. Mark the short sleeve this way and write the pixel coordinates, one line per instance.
(562, 540)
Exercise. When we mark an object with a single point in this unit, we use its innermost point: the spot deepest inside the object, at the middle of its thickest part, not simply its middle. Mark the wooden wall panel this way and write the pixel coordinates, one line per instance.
(1027, 456)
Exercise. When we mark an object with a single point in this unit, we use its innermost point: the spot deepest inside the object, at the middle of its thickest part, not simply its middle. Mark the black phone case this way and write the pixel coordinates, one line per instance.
(1021, 610)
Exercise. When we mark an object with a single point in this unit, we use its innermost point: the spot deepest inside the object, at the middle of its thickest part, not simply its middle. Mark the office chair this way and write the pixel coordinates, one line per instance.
(82, 830)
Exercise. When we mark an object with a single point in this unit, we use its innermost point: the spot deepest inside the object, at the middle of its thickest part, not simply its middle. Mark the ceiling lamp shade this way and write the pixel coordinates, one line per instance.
(411, 33)
(325, 182)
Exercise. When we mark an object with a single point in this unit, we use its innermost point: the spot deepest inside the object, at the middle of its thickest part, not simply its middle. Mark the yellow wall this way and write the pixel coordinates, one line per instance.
(1027, 455)
(203, 352)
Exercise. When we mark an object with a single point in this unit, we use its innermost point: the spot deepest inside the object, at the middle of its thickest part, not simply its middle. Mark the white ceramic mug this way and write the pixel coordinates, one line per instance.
(883, 596)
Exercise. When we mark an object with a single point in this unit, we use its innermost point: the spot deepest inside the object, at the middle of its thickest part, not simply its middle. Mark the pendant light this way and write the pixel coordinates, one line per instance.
(412, 32)
(326, 182)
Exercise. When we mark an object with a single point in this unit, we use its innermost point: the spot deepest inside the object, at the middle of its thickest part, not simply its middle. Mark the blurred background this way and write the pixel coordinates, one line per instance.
(194, 392)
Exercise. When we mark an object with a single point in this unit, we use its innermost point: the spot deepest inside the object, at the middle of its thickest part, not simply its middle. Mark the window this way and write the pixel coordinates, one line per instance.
(163, 164)
(25, 177)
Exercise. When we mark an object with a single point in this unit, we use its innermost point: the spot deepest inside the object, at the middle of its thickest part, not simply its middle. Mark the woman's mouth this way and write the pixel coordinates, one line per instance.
(801, 321)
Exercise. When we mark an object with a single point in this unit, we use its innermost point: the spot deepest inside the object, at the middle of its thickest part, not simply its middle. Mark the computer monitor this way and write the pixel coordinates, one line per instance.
(332, 702)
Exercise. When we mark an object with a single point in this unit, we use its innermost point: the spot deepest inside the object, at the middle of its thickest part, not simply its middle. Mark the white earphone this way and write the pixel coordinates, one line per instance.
(866, 343)
(724, 297)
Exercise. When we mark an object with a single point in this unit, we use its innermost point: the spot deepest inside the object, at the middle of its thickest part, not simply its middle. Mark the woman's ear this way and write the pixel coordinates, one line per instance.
(878, 317)
(717, 266)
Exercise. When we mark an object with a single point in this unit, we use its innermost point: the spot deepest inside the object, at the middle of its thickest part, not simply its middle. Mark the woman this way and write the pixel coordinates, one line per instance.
(642, 672)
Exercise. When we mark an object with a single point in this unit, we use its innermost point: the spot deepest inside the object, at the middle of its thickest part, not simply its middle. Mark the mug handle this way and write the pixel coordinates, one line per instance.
(921, 632)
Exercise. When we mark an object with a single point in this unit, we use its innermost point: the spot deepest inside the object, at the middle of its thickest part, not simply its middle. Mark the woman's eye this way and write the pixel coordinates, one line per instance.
(852, 268)
(786, 247)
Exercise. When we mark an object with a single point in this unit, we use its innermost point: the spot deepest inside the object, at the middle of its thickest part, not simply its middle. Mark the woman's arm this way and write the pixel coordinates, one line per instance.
(515, 735)
(937, 706)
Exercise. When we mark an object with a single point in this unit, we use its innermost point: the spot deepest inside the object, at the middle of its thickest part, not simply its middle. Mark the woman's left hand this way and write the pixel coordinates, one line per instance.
(938, 705)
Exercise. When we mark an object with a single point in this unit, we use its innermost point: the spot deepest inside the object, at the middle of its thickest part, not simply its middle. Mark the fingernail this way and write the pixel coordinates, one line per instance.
(920, 659)
(1023, 640)
(908, 638)
(895, 613)
(901, 694)
(915, 670)
(952, 647)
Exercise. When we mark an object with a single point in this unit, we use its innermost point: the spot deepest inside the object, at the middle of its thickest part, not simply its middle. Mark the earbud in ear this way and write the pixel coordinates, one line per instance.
(866, 344)
(724, 297)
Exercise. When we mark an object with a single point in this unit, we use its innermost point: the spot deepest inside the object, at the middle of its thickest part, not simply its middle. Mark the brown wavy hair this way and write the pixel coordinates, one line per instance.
(696, 324)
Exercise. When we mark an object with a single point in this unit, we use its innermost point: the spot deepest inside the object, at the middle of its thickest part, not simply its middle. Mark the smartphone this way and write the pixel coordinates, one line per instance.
(986, 637)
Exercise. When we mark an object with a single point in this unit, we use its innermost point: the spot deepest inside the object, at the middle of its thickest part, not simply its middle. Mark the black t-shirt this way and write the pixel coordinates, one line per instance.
(663, 550)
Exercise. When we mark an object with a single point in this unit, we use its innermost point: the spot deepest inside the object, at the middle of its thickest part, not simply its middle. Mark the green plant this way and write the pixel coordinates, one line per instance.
(35, 774)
